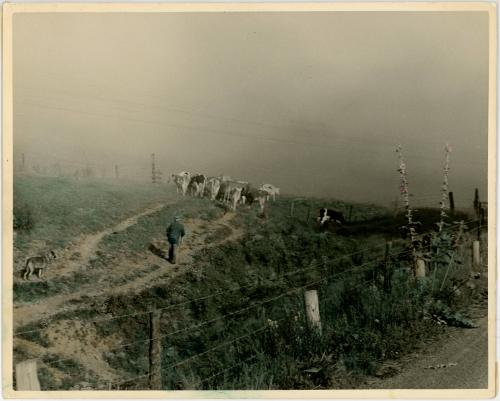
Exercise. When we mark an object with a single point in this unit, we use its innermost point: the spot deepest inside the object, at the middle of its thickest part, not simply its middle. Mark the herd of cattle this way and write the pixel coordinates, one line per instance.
(236, 193)
(224, 189)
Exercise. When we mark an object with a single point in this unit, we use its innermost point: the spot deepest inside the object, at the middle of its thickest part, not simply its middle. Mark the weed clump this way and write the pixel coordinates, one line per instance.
(24, 219)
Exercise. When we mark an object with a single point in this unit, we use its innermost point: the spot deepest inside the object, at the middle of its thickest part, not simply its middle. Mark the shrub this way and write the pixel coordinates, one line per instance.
(23, 218)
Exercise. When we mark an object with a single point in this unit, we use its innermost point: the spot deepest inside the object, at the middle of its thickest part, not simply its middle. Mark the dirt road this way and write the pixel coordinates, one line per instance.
(459, 359)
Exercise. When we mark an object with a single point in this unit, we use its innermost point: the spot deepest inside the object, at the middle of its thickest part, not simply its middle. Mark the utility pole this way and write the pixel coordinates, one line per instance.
(153, 169)
(117, 173)
(155, 174)
(23, 163)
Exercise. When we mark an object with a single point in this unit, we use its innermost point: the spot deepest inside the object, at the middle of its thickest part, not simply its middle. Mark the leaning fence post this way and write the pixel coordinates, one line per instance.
(26, 376)
(312, 309)
(452, 202)
(420, 268)
(155, 351)
(476, 256)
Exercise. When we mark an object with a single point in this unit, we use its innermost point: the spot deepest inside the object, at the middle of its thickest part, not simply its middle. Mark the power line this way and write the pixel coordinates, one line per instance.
(226, 133)
(176, 109)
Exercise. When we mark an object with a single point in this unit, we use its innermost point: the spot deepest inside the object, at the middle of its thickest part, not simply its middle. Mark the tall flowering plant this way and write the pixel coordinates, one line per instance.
(444, 187)
(403, 188)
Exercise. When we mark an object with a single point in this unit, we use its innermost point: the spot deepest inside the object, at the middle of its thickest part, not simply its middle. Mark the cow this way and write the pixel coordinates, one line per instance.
(212, 187)
(235, 196)
(228, 186)
(326, 215)
(181, 181)
(252, 194)
(197, 185)
(271, 190)
(262, 197)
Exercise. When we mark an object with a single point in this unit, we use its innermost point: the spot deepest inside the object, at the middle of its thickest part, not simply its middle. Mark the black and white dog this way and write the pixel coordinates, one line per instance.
(37, 263)
(326, 215)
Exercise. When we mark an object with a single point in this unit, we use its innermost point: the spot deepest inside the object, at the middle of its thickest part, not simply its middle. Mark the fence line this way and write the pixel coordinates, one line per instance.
(310, 267)
(358, 268)
(222, 345)
(355, 269)
(275, 298)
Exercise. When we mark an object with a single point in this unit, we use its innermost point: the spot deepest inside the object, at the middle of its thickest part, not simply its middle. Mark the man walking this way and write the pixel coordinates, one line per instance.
(175, 232)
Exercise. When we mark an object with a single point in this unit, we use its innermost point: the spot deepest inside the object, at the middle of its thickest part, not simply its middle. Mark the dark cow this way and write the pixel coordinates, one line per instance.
(326, 215)
(197, 185)
(250, 194)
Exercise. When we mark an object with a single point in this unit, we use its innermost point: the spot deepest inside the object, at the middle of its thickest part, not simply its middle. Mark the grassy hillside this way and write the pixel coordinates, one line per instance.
(363, 322)
(55, 210)
(233, 317)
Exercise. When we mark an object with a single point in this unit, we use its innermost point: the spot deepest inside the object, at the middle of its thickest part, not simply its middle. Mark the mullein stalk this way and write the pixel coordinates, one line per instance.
(406, 200)
(444, 187)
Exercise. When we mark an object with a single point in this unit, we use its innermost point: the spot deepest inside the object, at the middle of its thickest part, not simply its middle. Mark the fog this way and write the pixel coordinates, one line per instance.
(314, 103)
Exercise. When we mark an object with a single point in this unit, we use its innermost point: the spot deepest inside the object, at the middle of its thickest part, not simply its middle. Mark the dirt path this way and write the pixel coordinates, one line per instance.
(103, 285)
(78, 255)
(458, 359)
(193, 244)
(77, 340)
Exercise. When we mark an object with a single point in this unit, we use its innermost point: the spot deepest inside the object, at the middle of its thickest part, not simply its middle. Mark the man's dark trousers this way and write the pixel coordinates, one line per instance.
(172, 251)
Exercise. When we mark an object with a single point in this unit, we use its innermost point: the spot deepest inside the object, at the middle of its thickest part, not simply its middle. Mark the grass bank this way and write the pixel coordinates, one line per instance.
(53, 211)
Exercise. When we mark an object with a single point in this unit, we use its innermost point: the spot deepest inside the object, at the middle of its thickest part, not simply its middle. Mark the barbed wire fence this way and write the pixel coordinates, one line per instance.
(324, 267)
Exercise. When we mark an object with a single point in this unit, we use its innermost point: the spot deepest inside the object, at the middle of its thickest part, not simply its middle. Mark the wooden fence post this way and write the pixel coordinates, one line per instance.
(476, 202)
(155, 351)
(420, 268)
(26, 376)
(452, 202)
(387, 267)
(479, 222)
(308, 213)
(312, 309)
(291, 208)
(476, 256)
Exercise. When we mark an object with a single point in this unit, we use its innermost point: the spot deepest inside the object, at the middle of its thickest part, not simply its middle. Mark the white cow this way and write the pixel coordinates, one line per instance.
(262, 197)
(235, 195)
(212, 187)
(271, 190)
(181, 181)
(229, 186)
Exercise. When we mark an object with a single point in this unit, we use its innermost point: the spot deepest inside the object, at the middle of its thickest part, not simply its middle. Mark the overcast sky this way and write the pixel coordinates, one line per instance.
(314, 103)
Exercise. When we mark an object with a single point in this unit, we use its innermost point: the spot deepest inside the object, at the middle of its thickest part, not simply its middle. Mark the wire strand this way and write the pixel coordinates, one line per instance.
(310, 267)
